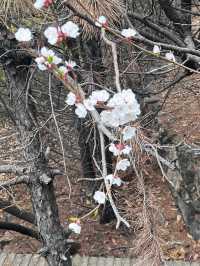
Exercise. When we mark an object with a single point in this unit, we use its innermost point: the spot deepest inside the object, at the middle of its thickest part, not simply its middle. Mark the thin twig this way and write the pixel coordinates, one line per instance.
(59, 134)
(115, 59)
(108, 188)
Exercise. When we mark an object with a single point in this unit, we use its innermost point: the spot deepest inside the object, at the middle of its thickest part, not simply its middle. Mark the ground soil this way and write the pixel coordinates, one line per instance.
(180, 115)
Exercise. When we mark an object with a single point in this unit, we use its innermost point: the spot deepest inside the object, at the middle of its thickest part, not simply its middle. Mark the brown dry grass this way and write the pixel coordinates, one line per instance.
(112, 9)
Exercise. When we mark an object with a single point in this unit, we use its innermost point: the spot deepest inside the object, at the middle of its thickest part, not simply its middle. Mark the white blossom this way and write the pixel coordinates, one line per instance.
(51, 33)
(89, 104)
(70, 64)
(23, 35)
(80, 110)
(156, 49)
(114, 150)
(71, 98)
(101, 21)
(47, 59)
(58, 34)
(124, 108)
(129, 33)
(75, 227)
(119, 149)
(50, 56)
(113, 180)
(70, 29)
(128, 133)
(99, 197)
(41, 63)
(123, 164)
(100, 95)
(170, 56)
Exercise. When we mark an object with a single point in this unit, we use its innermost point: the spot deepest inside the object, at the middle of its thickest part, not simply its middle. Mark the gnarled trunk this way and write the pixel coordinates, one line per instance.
(40, 178)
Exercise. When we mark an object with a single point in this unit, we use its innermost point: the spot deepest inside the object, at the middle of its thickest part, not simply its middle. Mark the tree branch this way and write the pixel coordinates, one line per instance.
(15, 181)
(9, 168)
(171, 36)
(17, 212)
(20, 229)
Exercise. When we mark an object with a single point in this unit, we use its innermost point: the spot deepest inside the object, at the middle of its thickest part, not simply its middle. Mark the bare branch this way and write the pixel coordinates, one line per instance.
(9, 168)
(115, 60)
(20, 229)
(7, 206)
(15, 181)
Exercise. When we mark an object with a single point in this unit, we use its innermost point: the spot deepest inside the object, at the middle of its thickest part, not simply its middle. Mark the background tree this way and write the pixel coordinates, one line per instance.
(165, 24)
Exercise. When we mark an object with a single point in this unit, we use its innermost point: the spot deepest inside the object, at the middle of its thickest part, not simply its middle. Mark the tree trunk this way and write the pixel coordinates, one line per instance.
(186, 184)
(41, 182)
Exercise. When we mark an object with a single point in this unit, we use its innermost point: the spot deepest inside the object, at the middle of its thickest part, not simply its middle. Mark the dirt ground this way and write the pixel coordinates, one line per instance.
(181, 115)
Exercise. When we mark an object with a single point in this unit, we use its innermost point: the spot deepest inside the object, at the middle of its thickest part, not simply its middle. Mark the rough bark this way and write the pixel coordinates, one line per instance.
(186, 180)
(42, 194)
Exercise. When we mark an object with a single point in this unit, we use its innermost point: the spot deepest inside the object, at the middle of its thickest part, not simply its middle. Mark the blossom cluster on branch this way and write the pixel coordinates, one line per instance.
(117, 110)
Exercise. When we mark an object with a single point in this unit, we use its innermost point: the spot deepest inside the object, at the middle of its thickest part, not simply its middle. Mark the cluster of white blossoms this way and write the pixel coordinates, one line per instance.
(122, 108)
(85, 105)
(119, 149)
(113, 180)
(56, 35)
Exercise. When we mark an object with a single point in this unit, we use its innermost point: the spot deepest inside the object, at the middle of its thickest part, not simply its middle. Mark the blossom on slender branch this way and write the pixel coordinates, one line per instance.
(23, 35)
(99, 197)
(119, 149)
(114, 180)
(75, 227)
(70, 65)
(39, 4)
(123, 164)
(65, 69)
(129, 33)
(170, 56)
(56, 35)
(156, 49)
(47, 60)
(101, 21)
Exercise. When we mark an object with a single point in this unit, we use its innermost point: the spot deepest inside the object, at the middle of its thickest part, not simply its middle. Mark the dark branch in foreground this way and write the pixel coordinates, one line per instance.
(19, 213)
(20, 229)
